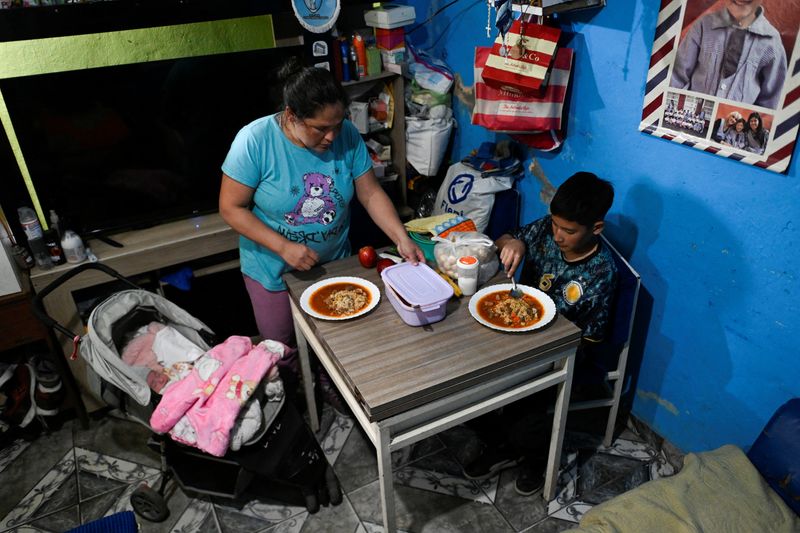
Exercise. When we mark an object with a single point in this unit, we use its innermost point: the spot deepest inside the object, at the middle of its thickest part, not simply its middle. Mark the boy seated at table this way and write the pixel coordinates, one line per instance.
(564, 257)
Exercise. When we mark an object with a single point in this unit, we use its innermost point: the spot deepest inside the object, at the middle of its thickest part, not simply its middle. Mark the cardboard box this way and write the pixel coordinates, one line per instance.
(390, 39)
(390, 16)
(393, 57)
(9, 274)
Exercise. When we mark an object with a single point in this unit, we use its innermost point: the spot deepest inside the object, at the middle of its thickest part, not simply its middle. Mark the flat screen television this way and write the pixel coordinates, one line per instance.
(130, 145)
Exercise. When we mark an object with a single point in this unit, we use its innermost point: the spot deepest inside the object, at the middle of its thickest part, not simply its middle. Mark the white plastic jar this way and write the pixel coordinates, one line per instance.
(72, 246)
(468, 274)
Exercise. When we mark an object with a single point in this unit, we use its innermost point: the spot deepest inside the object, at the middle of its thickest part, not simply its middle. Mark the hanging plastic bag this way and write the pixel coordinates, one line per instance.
(521, 59)
(427, 138)
(458, 244)
(429, 72)
(466, 192)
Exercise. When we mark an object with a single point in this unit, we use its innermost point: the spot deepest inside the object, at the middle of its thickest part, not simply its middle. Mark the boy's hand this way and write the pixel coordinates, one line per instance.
(511, 253)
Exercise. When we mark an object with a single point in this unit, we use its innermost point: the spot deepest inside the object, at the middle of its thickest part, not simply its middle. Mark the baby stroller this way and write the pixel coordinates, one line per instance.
(282, 460)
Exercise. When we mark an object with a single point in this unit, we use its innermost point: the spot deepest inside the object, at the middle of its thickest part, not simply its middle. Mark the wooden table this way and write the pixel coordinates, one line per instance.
(406, 383)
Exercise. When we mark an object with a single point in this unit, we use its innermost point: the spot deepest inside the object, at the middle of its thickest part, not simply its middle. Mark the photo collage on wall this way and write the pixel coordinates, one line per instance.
(724, 78)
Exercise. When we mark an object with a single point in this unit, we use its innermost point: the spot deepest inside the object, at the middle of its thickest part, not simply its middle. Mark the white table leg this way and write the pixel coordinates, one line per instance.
(559, 426)
(308, 378)
(385, 480)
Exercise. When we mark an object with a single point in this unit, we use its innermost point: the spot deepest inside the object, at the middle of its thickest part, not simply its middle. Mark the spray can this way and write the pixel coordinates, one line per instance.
(353, 64)
(361, 54)
(345, 59)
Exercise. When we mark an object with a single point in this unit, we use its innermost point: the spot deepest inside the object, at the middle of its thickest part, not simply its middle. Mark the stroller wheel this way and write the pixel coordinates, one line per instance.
(312, 503)
(332, 483)
(149, 504)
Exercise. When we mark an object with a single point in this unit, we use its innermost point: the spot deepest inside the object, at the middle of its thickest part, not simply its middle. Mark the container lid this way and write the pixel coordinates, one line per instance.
(468, 262)
(418, 285)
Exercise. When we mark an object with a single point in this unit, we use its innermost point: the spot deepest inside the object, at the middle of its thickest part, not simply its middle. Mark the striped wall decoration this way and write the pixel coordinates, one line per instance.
(785, 121)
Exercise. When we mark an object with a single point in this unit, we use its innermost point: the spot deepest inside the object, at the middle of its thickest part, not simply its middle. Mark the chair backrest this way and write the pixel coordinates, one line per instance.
(776, 453)
(505, 213)
(627, 294)
(611, 354)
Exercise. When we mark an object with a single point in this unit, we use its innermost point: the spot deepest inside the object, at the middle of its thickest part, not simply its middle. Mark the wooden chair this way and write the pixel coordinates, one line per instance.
(610, 357)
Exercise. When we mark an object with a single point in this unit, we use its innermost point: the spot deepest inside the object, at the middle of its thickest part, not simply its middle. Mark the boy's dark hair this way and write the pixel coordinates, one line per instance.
(306, 90)
(583, 198)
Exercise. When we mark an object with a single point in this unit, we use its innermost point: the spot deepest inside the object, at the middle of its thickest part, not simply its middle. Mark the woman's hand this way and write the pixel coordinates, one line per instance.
(298, 256)
(409, 250)
(511, 253)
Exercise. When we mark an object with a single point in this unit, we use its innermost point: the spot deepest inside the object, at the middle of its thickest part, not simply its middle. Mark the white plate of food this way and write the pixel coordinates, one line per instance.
(494, 307)
(340, 298)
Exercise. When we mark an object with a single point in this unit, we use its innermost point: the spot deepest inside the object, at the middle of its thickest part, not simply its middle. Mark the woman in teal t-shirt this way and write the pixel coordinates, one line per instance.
(287, 182)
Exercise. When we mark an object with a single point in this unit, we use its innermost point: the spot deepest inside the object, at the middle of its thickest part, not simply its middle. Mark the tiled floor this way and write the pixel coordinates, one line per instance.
(73, 476)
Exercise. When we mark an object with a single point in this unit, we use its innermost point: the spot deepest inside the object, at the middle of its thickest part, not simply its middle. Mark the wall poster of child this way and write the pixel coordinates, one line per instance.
(723, 78)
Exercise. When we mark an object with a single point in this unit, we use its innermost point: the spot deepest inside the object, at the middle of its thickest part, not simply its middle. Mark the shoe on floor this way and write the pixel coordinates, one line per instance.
(530, 478)
(489, 463)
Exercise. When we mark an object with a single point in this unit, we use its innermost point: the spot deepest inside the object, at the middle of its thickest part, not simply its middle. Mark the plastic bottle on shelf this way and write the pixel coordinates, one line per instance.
(55, 224)
(30, 223)
(345, 48)
(40, 253)
(353, 62)
(73, 248)
(54, 247)
(361, 54)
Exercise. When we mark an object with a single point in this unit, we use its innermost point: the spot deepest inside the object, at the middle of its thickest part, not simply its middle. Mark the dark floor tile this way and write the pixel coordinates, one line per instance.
(91, 485)
(424, 511)
(28, 469)
(209, 525)
(118, 438)
(233, 521)
(357, 464)
(604, 476)
(550, 525)
(65, 496)
(462, 442)
(60, 521)
(96, 507)
(441, 461)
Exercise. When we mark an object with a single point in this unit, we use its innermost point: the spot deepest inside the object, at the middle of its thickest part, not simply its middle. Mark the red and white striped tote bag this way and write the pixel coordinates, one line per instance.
(513, 112)
(522, 62)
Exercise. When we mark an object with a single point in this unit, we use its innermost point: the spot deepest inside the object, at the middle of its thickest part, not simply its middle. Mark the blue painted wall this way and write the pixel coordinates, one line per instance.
(716, 241)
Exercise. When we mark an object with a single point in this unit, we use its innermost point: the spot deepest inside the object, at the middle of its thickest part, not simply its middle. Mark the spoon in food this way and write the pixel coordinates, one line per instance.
(514, 292)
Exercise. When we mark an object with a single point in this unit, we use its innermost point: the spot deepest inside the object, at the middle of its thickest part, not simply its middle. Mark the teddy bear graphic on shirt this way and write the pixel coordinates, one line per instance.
(316, 205)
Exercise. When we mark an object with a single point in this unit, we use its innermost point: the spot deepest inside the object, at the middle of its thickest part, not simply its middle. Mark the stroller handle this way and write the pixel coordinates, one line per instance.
(38, 306)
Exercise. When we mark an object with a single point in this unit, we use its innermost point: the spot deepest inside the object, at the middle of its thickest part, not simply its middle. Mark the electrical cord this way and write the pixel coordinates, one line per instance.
(421, 24)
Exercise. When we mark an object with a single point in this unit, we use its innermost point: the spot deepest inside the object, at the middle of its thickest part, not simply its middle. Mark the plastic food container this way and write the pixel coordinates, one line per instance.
(417, 293)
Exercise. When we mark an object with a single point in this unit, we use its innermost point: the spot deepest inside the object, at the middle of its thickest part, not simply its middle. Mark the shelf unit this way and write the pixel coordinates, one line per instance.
(397, 134)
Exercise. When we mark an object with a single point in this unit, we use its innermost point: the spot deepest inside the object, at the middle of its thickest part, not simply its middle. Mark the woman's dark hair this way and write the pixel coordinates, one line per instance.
(759, 133)
(306, 90)
(583, 198)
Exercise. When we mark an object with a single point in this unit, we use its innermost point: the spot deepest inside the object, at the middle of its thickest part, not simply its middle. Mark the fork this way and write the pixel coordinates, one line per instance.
(514, 292)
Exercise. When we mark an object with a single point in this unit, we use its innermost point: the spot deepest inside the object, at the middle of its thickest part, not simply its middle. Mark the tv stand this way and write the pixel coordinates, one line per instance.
(142, 251)
(108, 240)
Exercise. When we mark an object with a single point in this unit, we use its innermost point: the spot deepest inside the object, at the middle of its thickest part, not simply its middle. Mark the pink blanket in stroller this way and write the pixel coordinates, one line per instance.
(200, 409)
